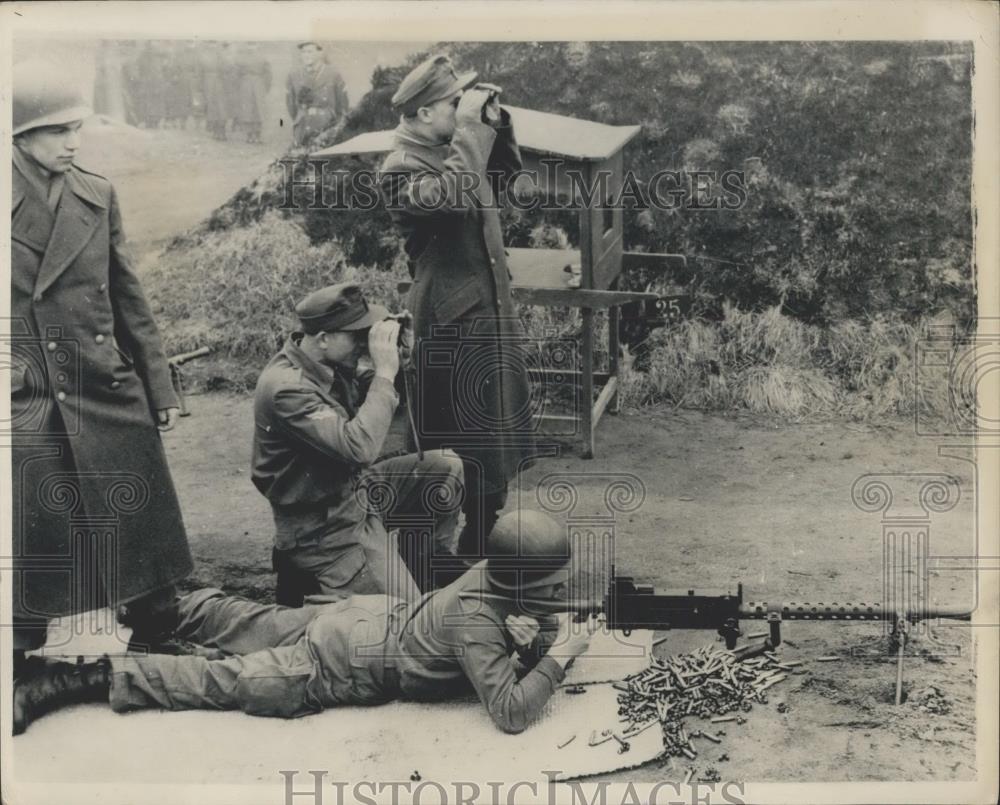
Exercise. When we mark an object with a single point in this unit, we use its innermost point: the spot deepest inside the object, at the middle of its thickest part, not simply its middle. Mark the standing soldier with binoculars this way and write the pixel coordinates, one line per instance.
(472, 384)
(319, 427)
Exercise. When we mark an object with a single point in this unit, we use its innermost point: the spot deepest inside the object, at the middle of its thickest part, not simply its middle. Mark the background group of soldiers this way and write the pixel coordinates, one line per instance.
(219, 87)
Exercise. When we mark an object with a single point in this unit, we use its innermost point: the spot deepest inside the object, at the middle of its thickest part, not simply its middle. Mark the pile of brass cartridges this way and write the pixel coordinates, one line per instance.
(709, 682)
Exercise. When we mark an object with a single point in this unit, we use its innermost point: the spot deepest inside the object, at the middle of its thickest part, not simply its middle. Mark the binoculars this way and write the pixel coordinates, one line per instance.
(492, 89)
(405, 338)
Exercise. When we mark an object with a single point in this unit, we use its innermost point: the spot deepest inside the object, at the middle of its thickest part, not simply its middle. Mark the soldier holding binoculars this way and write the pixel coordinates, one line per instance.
(320, 423)
(472, 391)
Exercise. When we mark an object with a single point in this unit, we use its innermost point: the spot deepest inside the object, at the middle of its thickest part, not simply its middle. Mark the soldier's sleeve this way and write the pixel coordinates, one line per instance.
(135, 328)
(505, 158)
(530, 655)
(411, 189)
(512, 704)
(308, 419)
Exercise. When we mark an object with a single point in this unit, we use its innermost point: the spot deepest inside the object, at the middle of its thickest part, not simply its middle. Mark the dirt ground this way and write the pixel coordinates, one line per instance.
(727, 499)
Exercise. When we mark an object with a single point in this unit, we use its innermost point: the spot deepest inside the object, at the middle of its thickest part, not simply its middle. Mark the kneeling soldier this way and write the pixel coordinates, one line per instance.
(477, 633)
(319, 427)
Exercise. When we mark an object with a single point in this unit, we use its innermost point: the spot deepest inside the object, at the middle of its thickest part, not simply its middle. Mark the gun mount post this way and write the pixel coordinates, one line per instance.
(177, 376)
(900, 632)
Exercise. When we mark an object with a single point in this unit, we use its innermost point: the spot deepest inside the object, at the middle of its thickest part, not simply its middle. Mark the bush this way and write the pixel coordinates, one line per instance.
(767, 362)
(235, 290)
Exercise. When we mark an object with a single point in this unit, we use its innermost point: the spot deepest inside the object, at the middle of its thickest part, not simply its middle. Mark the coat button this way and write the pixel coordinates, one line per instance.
(99, 338)
(61, 396)
(102, 287)
(115, 384)
(52, 346)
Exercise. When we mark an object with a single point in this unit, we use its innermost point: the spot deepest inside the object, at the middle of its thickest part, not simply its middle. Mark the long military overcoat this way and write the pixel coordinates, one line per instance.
(472, 358)
(316, 99)
(94, 505)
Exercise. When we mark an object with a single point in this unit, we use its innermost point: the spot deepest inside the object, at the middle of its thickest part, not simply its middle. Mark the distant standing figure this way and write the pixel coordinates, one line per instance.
(316, 95)
(152, 84)
(230, 85)
(130, 83)
(177, 93)
(212, 61)
(255, 83)
(191, 101)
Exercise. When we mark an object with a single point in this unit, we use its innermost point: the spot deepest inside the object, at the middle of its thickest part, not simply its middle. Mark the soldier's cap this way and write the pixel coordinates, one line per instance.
(316, 45)
(428, 82)
(338, 307)
(44, 95)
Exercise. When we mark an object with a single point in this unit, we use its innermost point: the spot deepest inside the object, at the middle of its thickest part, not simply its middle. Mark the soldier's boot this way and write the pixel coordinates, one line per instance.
(153, 620)
(56, 684)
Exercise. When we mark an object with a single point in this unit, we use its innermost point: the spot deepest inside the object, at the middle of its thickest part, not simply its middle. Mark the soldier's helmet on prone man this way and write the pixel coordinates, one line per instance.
(527, 549)
(45, 95)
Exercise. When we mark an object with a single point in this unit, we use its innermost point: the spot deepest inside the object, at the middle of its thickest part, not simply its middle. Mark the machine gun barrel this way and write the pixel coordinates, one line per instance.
(760, 610)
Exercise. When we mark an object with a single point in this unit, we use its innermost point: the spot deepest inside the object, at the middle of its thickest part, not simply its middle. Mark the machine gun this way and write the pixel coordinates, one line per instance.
(628, 606)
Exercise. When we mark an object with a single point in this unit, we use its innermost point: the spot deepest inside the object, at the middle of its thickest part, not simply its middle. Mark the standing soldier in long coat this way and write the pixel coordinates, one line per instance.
(315, 94)
(471, 359)
(96, 520)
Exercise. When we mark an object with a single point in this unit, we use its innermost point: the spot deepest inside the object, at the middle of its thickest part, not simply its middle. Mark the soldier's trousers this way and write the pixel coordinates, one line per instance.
(286, 662)
(419, 498)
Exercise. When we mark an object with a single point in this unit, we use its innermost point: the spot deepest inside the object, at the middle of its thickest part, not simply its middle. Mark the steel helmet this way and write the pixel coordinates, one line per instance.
(527, 549)
(44, 95)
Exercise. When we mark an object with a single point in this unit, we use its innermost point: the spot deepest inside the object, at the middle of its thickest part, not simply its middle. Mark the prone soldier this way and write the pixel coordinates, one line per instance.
(365, 650)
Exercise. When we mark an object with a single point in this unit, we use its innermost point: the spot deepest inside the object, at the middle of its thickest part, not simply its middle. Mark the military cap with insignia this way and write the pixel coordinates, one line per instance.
(430, 81)
(338, 307)
(44, 95)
